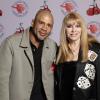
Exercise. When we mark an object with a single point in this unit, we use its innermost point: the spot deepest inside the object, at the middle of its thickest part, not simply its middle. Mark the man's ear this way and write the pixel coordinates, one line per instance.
(32, 23)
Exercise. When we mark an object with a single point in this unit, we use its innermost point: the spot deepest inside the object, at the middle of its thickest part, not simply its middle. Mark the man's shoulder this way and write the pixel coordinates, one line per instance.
(16, 37)
(50, 41)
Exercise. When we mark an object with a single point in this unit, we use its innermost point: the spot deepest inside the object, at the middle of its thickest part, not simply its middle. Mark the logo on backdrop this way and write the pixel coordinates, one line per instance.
(93, 9)
(20, 8)
(94, 29)
(68, 6)
(20, 28)
(1, 13)
(45, 6)
(1, 30)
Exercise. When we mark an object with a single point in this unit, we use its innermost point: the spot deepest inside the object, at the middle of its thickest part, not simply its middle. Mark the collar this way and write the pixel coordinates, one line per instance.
(25, 41)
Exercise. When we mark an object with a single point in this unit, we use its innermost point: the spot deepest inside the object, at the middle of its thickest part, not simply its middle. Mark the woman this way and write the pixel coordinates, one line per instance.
(78, 62)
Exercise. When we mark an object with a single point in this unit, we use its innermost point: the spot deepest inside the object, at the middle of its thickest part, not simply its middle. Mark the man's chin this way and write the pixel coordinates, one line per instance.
(41, 38)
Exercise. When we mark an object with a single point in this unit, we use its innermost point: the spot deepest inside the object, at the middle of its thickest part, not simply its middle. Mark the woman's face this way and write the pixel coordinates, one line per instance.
(73, 31)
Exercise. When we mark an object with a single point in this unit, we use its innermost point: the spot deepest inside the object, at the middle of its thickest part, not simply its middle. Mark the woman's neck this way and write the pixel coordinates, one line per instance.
(74, 47)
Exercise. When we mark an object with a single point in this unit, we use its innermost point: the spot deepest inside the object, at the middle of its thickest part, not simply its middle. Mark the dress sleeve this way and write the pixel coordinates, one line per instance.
(98, 76)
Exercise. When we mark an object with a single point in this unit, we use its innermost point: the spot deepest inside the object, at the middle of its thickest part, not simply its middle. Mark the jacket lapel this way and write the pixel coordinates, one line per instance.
(25, 44)
(45, 51)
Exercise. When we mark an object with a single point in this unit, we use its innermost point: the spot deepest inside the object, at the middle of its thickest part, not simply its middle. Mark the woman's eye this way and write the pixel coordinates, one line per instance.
(69, 26)
(78, 25)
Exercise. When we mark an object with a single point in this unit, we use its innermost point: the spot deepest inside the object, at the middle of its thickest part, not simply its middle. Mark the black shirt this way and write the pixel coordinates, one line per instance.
(38, 90)
(66, 74)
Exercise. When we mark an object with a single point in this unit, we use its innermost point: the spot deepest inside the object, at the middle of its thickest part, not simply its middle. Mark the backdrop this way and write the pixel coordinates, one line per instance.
(16, 15)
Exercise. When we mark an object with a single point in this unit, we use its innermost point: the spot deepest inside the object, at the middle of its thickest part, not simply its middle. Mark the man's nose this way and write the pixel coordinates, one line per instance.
(44, 27)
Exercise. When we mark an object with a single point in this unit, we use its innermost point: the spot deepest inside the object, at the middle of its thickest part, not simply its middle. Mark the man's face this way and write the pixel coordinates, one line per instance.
(43, 25)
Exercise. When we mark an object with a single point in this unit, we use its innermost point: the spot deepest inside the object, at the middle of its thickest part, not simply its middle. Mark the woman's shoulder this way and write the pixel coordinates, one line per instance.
(67, 63)
(95, 46)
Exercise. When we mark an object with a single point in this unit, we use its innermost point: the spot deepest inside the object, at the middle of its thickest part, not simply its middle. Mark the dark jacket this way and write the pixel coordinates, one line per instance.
(86, 84)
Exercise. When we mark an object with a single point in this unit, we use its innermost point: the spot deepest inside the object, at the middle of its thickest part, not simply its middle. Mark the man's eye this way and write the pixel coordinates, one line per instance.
(40, 22)
(49, 25)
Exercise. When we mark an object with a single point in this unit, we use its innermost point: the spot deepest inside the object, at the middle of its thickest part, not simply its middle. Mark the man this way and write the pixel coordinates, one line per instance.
(25, 62)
